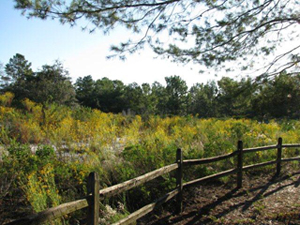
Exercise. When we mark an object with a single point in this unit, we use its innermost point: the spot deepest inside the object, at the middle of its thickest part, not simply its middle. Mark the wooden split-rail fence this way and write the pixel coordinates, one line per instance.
(96, 195)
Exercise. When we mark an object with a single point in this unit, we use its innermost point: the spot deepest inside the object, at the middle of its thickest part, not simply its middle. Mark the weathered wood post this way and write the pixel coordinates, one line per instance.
(240, 164)
(279, 153)
(93, 200)
(179, 181)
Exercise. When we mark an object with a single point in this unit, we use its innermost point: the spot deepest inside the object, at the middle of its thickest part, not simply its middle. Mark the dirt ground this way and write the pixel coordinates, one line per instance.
(263, 199)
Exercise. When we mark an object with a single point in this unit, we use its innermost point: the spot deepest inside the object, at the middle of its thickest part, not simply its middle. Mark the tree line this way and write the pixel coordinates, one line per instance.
(278, 97)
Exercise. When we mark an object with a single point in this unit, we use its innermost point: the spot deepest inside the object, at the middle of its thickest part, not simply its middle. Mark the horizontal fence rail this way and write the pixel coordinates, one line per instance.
(95, 195)
(291, 145)
(291, 159)
(127, 185)
(190, 162)
(259, 165)
(246, 150)
(147, 209)
(210, 177)
(52, 213)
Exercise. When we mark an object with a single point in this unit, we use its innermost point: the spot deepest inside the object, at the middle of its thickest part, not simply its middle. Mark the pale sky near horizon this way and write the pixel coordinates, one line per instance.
(43, 42)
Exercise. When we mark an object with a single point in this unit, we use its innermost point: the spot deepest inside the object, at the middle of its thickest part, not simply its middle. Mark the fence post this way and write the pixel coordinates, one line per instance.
(240, 164)
(179, 181)
(93, 200)
(279, 153)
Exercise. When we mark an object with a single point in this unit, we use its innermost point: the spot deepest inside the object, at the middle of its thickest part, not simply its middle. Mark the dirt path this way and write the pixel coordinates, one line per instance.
(262, 200)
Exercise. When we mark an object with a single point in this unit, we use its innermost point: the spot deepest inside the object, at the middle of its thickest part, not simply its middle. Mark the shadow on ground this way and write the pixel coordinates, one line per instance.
(262, 200)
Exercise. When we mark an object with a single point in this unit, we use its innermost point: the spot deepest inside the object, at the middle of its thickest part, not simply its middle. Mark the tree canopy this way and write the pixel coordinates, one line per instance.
(274, 98)
(208, 32)
(51, 84)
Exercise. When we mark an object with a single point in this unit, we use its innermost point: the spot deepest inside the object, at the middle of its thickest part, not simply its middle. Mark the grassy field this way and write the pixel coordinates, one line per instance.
(47, 153)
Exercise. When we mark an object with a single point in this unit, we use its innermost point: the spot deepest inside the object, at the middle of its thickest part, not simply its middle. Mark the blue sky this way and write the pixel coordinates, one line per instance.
(42, 42)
